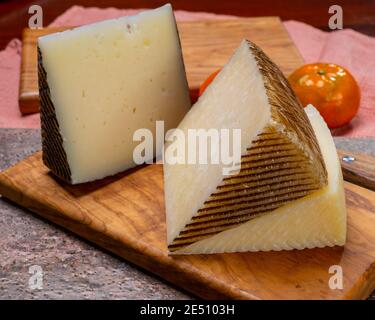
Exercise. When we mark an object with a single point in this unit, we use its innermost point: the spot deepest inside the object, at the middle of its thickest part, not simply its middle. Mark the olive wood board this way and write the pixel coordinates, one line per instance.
(125, 215)
(206, 46)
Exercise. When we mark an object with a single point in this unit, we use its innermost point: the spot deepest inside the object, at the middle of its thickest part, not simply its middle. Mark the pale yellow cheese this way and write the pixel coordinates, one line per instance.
(317, 220)
(107, 80)
(188, 186)
(285, 167)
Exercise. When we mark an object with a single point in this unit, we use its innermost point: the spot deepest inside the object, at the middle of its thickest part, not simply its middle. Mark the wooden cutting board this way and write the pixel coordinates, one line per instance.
(125, 213)
(206, 47)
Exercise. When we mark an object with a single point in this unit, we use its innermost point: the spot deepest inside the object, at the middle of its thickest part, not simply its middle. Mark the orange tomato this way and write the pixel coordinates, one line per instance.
(329, 88)
(207, 82)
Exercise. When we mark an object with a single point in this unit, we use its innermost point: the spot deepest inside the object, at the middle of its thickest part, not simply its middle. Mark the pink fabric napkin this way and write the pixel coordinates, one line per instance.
(345, 47)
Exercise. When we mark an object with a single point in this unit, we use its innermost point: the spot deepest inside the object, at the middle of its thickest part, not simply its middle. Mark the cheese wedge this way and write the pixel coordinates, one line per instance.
(100, 83)
(288, 193)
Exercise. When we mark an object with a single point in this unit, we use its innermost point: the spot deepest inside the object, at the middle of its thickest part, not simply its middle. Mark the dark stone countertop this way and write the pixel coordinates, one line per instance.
(72, 267)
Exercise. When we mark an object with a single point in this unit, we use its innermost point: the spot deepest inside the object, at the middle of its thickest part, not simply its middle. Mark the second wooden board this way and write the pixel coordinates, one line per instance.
(206, 45)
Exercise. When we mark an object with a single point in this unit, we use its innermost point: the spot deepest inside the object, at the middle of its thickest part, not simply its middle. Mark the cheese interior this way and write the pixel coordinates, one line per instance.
(187, 186)
(284, 162)
(316, 220)
(281, 162)
(107, 80)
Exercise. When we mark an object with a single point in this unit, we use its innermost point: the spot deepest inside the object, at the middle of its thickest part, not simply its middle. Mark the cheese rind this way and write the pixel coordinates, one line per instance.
(317, 220)
(281, 159)
(100, 83)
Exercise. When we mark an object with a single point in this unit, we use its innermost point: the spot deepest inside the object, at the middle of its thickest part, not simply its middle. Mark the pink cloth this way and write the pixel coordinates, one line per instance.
(345, 47)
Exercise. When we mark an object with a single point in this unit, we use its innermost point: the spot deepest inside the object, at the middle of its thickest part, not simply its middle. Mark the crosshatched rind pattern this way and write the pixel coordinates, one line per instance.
(54, 156)
(287, 112)
(284, 163)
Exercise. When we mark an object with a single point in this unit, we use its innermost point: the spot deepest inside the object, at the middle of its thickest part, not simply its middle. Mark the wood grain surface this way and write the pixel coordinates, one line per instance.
(204, 52)
(358, 168)
(125, 214)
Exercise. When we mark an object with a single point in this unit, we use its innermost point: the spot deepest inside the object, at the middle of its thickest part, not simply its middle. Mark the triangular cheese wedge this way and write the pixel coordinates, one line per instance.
(100, 83)
(283, 197)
